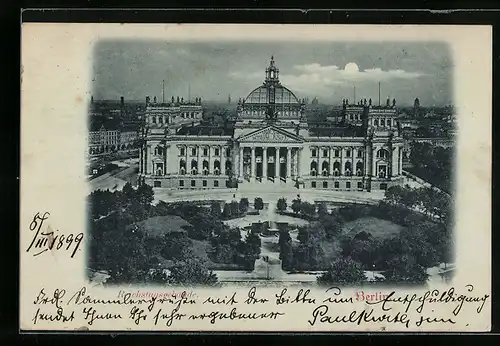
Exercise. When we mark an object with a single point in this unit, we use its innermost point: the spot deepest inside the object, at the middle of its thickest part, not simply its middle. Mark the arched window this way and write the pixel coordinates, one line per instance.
(382, 154)
(348, 168)
(375, 122)
(228, 167)
(205, 167)
(314, 168)
(217, 167)
(194, 167)
(325, 170)
(154, 120)
(182, 167)
(359, 169)
(336, 168)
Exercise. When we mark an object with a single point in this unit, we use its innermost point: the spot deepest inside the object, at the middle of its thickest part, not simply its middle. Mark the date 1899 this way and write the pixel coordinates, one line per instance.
(50, 240)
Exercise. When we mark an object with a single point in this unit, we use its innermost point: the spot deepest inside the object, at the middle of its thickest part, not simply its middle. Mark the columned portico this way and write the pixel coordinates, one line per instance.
(265, 162)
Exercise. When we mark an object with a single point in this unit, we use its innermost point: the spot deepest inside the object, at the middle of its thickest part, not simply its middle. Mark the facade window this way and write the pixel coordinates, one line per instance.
(388, 123)
(375, 122)
(347, 184)
(205, 152)
(154, 120)
(193, 151)
(157, 183)
(382, 122)
(204, 183)
(325, 153)
(313, 184)
(183, 151)
(228, 152)
(313, 152)
(382, 154)
(314, 168)
(160, 120)
(193, 183)
(383, 186)
(337, 153)
(360, 185)
(336, 184)
(325, 184)
(360, 153)
(181, 182)
(348, 153)
(216, 183)
(217, 152)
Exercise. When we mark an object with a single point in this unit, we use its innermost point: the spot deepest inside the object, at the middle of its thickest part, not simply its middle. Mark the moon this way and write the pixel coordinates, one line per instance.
(351, 67)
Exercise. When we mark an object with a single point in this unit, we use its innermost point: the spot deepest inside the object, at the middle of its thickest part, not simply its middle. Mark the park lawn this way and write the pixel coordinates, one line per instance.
(377, 227)
(160, 225)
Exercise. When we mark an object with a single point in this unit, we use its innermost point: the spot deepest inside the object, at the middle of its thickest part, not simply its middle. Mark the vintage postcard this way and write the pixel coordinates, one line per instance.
(255, 178)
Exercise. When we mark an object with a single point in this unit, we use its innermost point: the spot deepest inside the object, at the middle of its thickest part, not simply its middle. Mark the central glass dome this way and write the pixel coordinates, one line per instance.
(282, 95)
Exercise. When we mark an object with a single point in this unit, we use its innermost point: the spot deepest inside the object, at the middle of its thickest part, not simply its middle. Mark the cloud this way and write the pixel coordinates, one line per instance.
(315, 78)
(256, 75)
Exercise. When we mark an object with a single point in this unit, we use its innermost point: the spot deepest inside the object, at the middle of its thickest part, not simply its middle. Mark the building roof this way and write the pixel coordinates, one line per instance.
(283, 95)
(206, 131)
(335, 131)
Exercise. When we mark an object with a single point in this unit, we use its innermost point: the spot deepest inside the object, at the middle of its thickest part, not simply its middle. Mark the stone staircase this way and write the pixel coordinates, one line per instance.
(268, 186)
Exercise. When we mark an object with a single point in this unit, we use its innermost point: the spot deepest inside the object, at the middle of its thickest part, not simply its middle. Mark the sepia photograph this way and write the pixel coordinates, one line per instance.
(284, 162)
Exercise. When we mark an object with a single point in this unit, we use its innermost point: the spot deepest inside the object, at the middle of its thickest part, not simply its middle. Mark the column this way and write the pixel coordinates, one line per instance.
(330, 164)
(141, 162)
(289, 162)
(374, 162)
(150, 161)
(253, 166)
(298, 157)
(277, 164)
(198, 156)
(240, 173)
(394, 162)
(210, 163)
(264, 162)
(165, 159)
(400, 159)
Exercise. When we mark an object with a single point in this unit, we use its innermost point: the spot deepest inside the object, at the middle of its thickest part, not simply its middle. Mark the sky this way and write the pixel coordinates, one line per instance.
(327, 70)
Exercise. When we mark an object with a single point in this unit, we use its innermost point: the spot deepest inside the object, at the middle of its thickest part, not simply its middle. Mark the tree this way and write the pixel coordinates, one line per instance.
(308, 209)
(215, 211)
(191, 271)
(296, 205)
(322, 210)
(254, 243)
(122, 253)
(235, 208)
(224, 253)
(281, 205)
(258, 204)
(176, 245)
(145, 195)
(342, 271)
(404, 270)
(243, 205)
(227, 211)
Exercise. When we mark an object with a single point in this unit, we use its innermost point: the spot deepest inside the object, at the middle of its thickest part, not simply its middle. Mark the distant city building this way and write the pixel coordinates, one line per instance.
(314, 101)
(109, 136)
(416, 108)
(271, 141)
(175, 112)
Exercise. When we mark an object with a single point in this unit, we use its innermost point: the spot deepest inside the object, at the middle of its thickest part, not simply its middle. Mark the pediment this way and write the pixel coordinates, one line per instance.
(271, 134)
